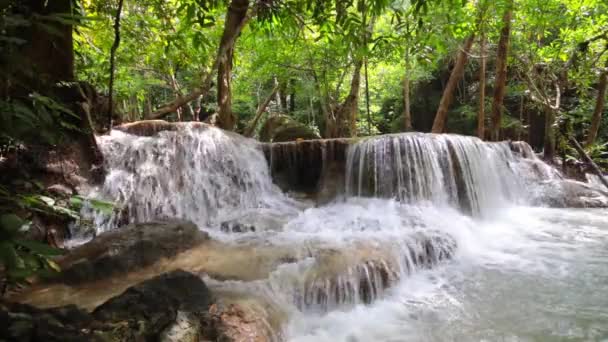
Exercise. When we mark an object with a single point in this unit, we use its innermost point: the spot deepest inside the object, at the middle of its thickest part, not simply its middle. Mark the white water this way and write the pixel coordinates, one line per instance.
(374, 268)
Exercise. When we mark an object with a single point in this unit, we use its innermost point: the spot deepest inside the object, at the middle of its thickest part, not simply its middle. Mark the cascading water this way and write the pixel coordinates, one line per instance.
(197, 173)
(443, 169)
(374, 266)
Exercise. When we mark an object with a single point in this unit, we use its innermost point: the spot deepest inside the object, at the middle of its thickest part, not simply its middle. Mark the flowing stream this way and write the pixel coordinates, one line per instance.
(438, 237)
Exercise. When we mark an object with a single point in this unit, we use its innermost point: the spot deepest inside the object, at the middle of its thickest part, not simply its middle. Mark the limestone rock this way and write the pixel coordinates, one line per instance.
(129, 248)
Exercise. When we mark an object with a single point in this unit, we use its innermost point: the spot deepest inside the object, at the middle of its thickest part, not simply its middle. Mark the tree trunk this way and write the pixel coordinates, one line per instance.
(549, 139)
(260, 111)
(448, 94)
(481, 117)
(407, 114)
(501, 73)
(599, 107)
(235, 20)
(346, 115)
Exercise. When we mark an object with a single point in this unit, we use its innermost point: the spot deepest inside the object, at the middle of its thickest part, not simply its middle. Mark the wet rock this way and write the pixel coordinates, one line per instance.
(148, 128)
(281, 128)
(22, 322)
(235, 323)
(152, 308)
(129, 248)
(169, 307)
(236, 227)
(565, 193)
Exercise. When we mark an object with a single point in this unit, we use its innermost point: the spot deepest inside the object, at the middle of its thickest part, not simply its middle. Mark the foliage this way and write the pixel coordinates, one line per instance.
(22, 258)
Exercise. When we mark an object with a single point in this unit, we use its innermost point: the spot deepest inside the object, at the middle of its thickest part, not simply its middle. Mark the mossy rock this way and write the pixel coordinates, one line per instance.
(282, 128)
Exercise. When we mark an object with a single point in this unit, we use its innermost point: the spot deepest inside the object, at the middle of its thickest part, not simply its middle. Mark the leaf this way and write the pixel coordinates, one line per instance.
(103, 206)
(76, 202)
(11, 223)
(47, 200)
(52, 265)
(39, 247)
(8, 255)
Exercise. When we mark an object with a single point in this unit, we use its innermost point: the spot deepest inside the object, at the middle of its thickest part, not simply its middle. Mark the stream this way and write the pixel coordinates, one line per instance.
(435, 237)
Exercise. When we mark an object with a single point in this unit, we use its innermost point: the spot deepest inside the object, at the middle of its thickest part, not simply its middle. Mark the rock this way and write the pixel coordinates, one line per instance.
(282, 128)
(60, 190)
(148, 128)
(566, 193)
(168, 307)
(128, 248)
(152, 307)
(22, 322)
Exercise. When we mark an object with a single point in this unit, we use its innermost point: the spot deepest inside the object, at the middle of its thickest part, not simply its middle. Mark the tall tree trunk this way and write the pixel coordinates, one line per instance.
(549, 138)
(407, 115)
(448, 94)
(113, 50)
(346, 115)
(501, 72)
(599, 107)
(481, 116)
(367, 102)
(235, 20)
(292, 95)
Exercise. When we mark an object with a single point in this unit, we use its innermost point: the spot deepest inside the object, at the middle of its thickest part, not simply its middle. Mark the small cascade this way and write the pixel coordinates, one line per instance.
(361, 275)
(444, 169)
(193, 172)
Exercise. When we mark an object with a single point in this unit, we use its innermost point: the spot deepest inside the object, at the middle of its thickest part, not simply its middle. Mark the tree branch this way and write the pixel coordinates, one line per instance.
(260, 111)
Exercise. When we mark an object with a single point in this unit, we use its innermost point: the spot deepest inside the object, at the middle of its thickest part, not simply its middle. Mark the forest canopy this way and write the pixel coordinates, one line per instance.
(531, 70)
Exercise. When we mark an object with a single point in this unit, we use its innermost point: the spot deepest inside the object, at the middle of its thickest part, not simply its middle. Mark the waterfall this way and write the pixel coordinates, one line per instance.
(198, 173)
(442, 169)
(392, 207)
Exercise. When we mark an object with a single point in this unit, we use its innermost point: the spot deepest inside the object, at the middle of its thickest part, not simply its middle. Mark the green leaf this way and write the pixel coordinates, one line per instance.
(47, 200)
(38, 247)
(103, 206)
(11, 223)
(8, 255)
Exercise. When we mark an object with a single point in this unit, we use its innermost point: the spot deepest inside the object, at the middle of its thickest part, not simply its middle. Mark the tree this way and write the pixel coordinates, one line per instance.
(236, 17)
(501, 72)
(599, 107)
(441, 116)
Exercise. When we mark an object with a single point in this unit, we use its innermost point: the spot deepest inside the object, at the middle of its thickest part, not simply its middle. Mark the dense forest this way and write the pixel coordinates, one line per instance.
(74, 71)
(533, 71)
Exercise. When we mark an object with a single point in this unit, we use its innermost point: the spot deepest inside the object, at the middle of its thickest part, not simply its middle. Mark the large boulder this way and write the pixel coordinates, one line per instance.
(282, 128)
(172, 307)
(566, 193)
(145, 311)
(129, 248)
(149, 311)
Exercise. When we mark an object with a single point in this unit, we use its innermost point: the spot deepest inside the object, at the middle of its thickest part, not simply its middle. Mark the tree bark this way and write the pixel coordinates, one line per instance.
(345, 124)
(261, 110)
(407, 115)
(599, 107)
(549, 139)
(448, 94)
(501, 73)
(235, 20)
(113, 59)
(481, 116)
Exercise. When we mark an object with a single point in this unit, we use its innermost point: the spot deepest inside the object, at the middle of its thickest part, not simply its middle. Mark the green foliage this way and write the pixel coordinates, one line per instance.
(21, 258)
